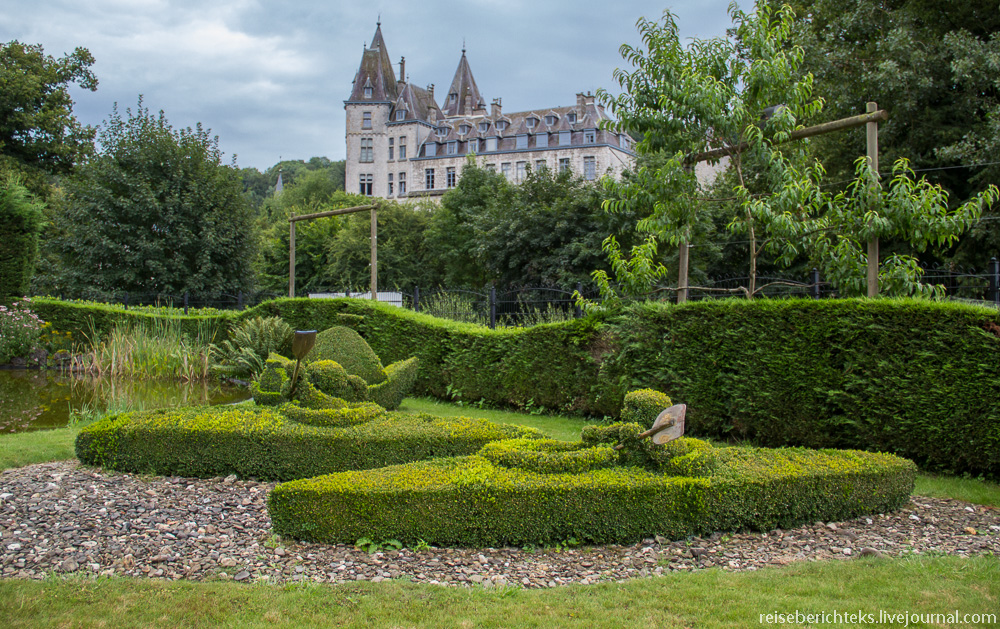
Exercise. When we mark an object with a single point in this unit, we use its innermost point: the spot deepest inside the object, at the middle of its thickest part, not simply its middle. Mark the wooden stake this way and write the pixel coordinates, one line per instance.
(291, 258)
(872, 133)
(682, 272)
(374, 239)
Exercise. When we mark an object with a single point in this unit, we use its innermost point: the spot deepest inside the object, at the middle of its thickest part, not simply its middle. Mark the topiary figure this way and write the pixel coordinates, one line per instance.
(332, 379)
(331, 417)
(272, 387)
(643, 406)
(401, 376)
(346, 347)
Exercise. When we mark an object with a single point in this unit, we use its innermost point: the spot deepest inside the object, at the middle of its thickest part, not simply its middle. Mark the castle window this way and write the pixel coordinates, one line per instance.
(464, 129)
(505, 169)
(368, 92)
(428, 179)
(402, 148)
(491, 167)
(366, 120)
(452, 98)
(473, 146)
(563, 164)
(530, 122)
(623, 141)
(390, 185)
(365, 182)
(571, 118)
(484, 127)
(453, 148)
(402, 183)
(491, 144)
(430, 149)
(451, 177)
(442, 131)
(400, 114)
(367, 152)
(539, 164)
(589, 136)
(390, 152)
(542, 140)
(522, 141)
(501, 125)
(550, 120)
(589, 168)
(565, 139)
(521, 171)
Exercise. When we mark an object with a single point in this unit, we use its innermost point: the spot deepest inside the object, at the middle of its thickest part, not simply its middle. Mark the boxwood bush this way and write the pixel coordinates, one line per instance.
(474, 501)
(260, 442)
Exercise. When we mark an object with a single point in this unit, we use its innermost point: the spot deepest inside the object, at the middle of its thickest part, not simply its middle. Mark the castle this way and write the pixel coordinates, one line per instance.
(402, 145)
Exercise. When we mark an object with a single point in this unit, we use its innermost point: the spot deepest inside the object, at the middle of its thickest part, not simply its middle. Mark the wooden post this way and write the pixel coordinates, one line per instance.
(375, 252)
(872, 132)
(291, 259)
(682, 272)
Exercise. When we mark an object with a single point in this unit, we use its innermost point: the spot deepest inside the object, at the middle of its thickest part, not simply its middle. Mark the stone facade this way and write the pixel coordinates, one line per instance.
(401, 144)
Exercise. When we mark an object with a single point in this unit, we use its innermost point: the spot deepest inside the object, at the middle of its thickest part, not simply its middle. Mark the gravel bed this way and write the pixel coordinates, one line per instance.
(63, 518)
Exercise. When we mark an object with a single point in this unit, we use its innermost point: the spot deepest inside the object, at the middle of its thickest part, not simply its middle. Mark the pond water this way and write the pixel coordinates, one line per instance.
(32, 399)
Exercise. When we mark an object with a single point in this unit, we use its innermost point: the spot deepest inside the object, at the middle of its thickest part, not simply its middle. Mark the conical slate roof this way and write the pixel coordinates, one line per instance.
(463, 86)
(375, 72)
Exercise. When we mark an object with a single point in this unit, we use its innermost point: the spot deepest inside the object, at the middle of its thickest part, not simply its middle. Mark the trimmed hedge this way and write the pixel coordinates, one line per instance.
(472, 501)
(917, 378)
(344, 346)
(259, 442)
(644, 406)
(400, 377)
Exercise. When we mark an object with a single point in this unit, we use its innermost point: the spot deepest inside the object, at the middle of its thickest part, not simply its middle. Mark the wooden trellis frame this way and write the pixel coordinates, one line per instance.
(350, 210)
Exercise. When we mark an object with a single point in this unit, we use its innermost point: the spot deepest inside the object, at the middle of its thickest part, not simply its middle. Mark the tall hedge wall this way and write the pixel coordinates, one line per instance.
(917, 378)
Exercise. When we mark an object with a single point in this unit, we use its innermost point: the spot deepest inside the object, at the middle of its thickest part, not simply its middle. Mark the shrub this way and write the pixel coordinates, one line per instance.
(260, 442)
(471, 501)
(400, 377)
(20, 221)
(330, 378)
(337, 418)
(346, 347)
(20, 330)
(249, 344)
(548, 456)
(643, 406)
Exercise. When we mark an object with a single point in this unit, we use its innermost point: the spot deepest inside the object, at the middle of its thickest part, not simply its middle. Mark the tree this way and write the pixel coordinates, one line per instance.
(38, 131)
(20, 220)
(935, 67)
(155, 211)
(744, 93)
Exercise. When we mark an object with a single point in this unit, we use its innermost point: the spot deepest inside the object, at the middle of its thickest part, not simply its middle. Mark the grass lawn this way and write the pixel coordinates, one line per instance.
(710, 598)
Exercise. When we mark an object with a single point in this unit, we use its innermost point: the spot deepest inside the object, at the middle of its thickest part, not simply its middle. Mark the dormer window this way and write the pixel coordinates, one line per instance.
(368, 92)
(530, 122)
(571, 118)
(501, 125)
(400, 114)
(463, 129)
(484, 127)
(521, 141)
(452, 98)
(442, 131)
(589, 136)
(550, 120)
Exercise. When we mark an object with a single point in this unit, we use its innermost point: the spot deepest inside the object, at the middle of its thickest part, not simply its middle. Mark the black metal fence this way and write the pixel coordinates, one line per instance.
(530, 305)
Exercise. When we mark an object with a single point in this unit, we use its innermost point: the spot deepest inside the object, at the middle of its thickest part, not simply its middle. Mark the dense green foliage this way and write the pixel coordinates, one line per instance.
(346, 347)
(20, 221)
(497, 500)
(249, 343)
(38, 131)
(643, 406)
(154, 211)
(910, 377)
(259, 442)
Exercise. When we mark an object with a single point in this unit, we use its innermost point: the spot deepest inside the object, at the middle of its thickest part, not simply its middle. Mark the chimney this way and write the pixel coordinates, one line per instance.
(430, 90)
(580, 100)
(496, 108)
(402, 69)
(588, 98)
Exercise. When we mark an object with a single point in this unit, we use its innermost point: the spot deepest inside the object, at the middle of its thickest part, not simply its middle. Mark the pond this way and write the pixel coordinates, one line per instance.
(42, 399)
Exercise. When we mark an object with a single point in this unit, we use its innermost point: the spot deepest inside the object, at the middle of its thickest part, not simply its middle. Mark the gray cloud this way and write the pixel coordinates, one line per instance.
(269, 78)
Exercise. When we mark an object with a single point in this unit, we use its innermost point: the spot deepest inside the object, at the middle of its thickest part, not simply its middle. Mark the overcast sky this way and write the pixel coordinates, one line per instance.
(269, 78)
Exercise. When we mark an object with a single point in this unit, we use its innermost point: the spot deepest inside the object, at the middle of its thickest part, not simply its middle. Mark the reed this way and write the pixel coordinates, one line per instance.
(157, 348)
